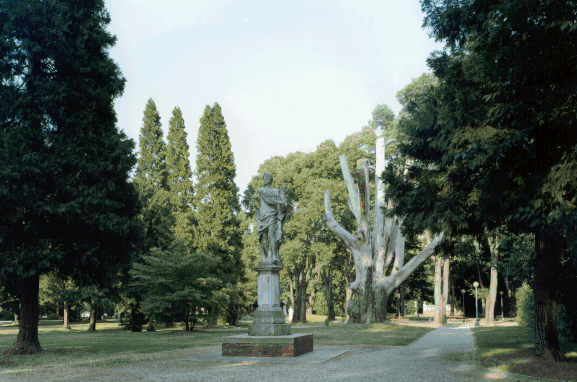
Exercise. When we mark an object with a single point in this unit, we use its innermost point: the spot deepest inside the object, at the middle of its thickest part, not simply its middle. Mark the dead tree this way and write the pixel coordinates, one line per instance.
(373, 250)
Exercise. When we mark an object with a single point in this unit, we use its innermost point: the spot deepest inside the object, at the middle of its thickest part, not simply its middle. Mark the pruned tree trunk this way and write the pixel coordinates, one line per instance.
(27, 339)
(92, 325)
(547, 252)
(438, 294)
(491, 243)
(66, 318)
(373, 249)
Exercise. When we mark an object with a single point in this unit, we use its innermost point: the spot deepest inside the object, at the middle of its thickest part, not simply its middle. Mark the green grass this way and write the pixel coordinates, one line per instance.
(508, 349)
(109, 346)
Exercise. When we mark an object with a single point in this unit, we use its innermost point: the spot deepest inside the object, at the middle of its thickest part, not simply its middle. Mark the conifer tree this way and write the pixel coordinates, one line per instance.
(151, 173)
(179, 176)
(65, 203)
(217, 231)
(151, 180)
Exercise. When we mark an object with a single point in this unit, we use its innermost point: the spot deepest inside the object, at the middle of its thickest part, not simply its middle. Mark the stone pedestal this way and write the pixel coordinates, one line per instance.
(269, 335)
(269, 318)
(244, 345)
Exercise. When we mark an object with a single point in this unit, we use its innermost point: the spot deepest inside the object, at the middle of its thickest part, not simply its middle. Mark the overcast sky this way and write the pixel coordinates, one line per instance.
(287, 74)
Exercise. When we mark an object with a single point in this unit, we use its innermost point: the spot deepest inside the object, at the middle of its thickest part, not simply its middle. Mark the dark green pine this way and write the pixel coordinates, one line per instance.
(218, 230)
(151, 173)
(179, 176)
(65, 201)
(151, 180)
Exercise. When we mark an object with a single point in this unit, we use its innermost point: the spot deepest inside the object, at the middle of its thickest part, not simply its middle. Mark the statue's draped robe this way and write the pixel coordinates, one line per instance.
(269, 219)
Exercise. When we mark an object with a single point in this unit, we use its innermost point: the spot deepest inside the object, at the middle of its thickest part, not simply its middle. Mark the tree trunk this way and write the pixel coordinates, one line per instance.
(546, 334)
(92, 325)
(326, 279)
(150, 327)
(298, 299)
(66, 318)
(27, 340)
(452, 295)
(303, 295)
(398, 298)
(491, 244)
(446, 271)
(311, 303)
(511, 295)
(348, 297)
(210, 323)
(374, 248)
(292, 297)
(402, 301)
(438, 292)
(479, 272)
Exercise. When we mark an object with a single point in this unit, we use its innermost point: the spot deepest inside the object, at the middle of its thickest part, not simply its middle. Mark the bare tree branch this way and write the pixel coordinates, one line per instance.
(394, 281)
(353, 202)
(334, 225)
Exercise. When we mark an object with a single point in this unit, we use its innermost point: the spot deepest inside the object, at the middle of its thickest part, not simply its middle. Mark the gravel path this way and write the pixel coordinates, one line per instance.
(419, 361)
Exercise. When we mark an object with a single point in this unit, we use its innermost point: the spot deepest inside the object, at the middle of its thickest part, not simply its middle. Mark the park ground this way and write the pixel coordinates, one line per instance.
(504, 347)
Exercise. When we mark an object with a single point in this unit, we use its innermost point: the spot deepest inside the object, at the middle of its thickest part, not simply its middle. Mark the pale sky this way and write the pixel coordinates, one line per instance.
(287, 74)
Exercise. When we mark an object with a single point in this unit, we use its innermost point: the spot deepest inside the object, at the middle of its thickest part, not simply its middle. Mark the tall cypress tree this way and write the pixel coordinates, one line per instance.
(151, 180)
(179, 176)
(65, 202)
(217, 231)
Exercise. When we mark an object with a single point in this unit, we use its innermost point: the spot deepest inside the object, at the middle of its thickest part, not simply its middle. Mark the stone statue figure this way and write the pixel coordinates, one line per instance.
(270, 219)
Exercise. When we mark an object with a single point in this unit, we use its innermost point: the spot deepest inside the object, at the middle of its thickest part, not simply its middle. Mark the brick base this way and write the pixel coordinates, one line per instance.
(278, 346)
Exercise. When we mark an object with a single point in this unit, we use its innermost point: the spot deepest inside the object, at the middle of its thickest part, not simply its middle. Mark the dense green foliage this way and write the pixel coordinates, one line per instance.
(65, 202)
(525, 306)
(217, 230)
(179, 180)
(178, 284)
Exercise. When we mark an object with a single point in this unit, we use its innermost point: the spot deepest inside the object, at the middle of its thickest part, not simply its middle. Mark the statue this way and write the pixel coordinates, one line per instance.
(270, 219)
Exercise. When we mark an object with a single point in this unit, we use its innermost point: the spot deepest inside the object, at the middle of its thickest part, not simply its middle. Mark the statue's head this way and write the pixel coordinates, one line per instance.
(267, 179)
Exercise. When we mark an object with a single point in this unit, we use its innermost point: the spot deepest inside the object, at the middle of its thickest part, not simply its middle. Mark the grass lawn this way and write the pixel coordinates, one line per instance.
(109, 346)
(508, 349)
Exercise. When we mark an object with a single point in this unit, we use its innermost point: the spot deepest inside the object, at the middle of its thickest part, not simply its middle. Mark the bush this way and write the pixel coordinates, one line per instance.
(53, 317)
(525, 306)
(6, 315)
(410, 307)
(320, 306)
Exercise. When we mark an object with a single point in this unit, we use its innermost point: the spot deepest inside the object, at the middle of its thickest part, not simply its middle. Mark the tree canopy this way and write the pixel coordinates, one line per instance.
(66, 203)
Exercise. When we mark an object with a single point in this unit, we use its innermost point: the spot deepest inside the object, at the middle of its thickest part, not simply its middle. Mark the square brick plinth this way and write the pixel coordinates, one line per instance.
(244, 345)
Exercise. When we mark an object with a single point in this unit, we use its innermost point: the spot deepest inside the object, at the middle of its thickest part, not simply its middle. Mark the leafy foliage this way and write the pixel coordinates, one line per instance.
(178, 284)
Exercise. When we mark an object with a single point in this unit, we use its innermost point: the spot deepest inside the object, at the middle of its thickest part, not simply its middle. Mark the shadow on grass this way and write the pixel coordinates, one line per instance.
(508, 349)
(110, 346)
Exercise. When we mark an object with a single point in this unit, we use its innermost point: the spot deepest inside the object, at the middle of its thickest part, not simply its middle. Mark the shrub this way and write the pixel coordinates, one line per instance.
(320, 306)
(6, 315)
(525, 306)
(410, 307)
(53, 317)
